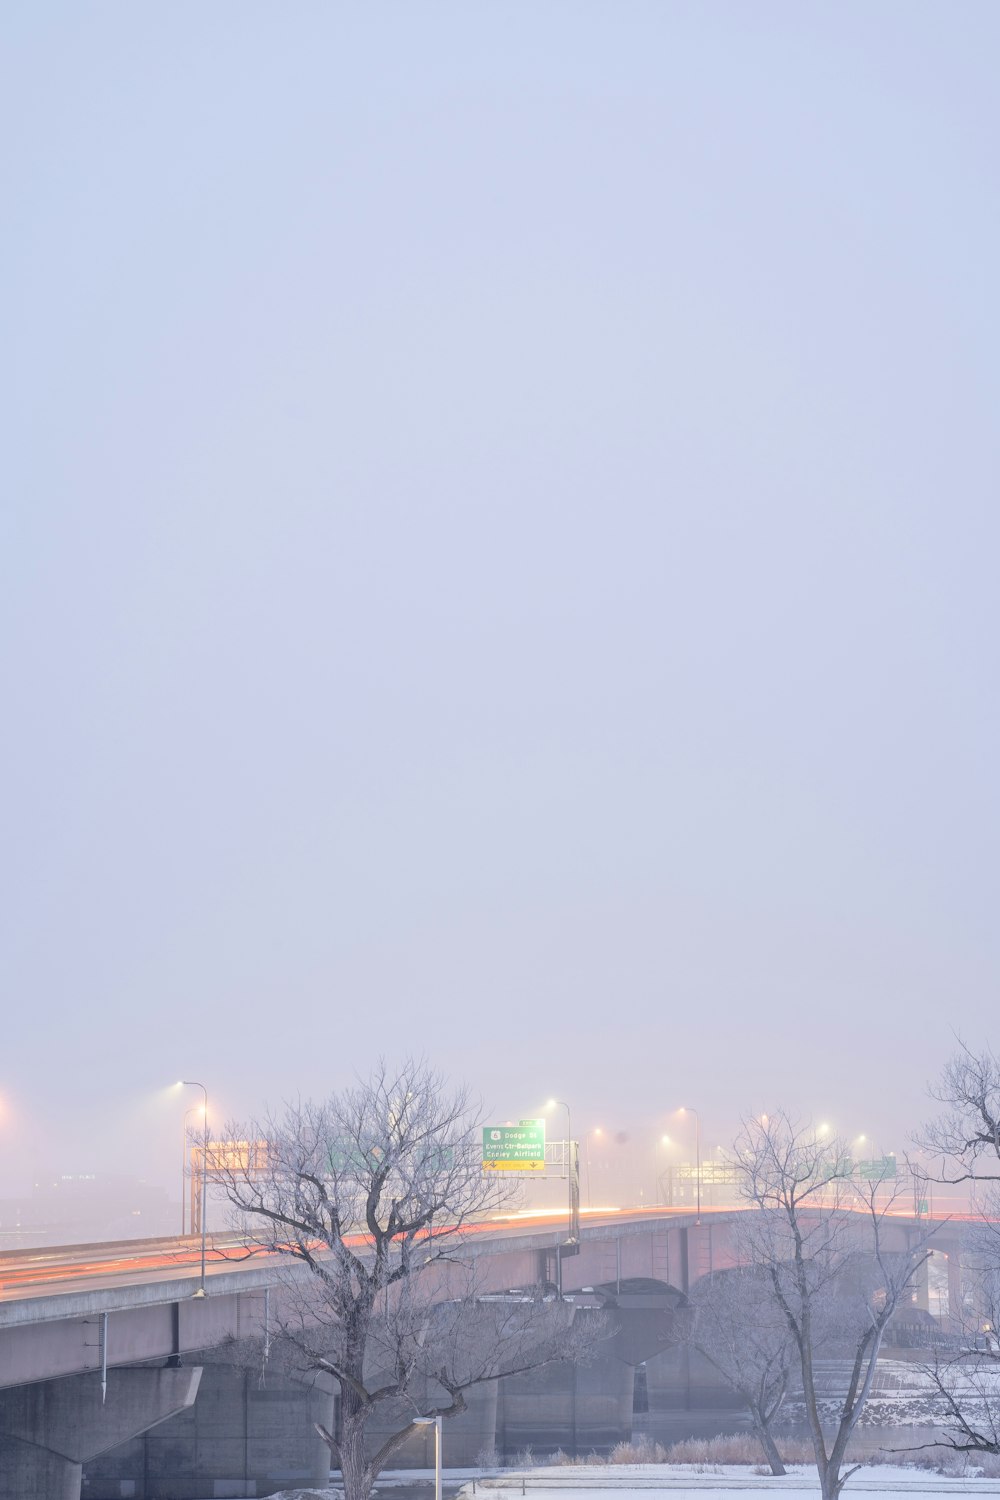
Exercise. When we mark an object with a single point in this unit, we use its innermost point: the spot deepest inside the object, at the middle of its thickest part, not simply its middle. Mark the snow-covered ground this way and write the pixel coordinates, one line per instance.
(635, 1481)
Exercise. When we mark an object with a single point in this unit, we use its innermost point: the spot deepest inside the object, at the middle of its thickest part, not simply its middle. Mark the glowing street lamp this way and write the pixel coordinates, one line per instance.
(190, 1083)
(196, 1109)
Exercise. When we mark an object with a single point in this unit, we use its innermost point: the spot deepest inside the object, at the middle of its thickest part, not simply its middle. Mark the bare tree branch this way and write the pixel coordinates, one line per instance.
(735, 1325)
(369, 1198)
(817, 1241)
(965, 1137)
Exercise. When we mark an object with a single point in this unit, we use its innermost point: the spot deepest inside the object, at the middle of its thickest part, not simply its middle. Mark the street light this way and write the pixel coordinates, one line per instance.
(570, 1237)
(687, 1110)
(194, 1110)
(191, 1083)
(434, 1422)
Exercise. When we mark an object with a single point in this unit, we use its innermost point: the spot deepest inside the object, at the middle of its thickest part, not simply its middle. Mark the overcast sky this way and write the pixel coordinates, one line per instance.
(498, 557)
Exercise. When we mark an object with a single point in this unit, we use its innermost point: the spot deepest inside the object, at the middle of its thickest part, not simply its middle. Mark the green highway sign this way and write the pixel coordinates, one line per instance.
(514, 1148)
(877, 1170)
(346, 1157)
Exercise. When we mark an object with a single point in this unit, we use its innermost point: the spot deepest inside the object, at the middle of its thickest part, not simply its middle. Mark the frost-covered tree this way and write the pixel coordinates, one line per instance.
(370, 1197)
(734, 1323)
(963, 1146)
(817, 1235)
(966, 1376)
(965, 1137)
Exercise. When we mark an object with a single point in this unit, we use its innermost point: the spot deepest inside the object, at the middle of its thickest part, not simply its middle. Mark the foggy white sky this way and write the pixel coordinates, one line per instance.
(498, 557)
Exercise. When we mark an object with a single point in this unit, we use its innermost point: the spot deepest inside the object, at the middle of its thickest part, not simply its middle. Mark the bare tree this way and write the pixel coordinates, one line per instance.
(734, 1323)
(369, 1197)
(965, 1141)
(965, 1136)
(818, 1235)
(966, 1378)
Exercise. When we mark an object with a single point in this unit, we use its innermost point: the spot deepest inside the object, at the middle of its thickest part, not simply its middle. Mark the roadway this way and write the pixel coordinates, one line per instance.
(69, 1268)
(51, 1270)
(54, 1271)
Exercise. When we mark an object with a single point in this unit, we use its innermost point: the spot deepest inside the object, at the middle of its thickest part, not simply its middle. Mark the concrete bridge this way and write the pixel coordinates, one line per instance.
(96, 1344)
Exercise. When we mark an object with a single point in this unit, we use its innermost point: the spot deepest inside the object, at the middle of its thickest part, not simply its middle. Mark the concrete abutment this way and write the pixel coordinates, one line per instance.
(48, 1430)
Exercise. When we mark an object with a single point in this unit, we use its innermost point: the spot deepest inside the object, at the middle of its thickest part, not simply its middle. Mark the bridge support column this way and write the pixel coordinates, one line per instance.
(49, 1429)
(921, 1288)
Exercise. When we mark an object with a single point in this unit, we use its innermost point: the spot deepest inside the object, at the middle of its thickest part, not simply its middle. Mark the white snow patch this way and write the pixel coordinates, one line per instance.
(683, 1481)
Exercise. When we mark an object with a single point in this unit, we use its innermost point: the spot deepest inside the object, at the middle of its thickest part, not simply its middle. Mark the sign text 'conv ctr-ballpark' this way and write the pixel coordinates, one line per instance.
(514, 1148)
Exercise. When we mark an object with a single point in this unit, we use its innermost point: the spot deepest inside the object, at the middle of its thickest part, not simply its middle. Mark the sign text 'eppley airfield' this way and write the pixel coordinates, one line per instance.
(514, 1148)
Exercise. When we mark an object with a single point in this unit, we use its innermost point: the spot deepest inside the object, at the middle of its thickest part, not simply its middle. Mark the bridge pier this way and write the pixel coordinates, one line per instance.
(465, 1437)
(49, 1429)
(921, 1288)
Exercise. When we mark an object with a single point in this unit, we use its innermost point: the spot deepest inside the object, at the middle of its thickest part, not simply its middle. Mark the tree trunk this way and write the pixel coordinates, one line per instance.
(769, 1446)
(354, 1471)
(830, 1482)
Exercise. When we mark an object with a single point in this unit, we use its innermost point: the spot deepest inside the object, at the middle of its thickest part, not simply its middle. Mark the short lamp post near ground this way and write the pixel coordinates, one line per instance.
(191, 1083)
(434, 1422)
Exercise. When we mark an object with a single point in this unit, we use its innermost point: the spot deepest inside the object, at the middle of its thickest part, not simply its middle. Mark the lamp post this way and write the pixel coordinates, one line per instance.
(686, 1109)
(195, 1108)
(191, 1083)
(434, 1422)
(570, 1237)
